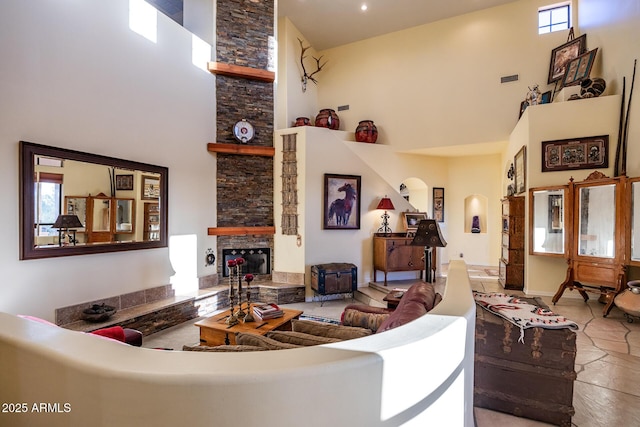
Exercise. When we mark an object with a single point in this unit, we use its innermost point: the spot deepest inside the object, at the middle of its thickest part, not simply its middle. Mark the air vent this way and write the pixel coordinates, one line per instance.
(343, 107)
(507, 79)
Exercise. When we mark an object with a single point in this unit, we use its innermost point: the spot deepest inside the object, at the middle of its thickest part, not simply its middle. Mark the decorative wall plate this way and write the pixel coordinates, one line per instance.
(243, 131)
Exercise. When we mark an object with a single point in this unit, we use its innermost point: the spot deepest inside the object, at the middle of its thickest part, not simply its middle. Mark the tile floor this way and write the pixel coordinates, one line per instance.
(607, 389)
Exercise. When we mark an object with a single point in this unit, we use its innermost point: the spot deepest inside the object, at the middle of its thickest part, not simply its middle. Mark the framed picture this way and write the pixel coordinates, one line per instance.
(523, 106)
(341, 202)
(546, 97)
(562, 55)
(438, 204)
(150, 187)
(578, 153)
(520, 171)
(412, 219)
(124, 182)
(579, 68)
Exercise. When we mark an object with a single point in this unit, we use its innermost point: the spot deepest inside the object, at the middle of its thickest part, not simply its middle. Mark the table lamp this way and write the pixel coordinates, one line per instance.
(428, 234)
(68, 223)
(387, 205)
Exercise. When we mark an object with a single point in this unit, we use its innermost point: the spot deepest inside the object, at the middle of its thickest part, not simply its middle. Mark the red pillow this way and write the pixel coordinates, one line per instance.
(114, 332)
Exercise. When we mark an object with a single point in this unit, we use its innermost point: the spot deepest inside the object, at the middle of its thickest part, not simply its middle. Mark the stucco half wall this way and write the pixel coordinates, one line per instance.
(415, 375)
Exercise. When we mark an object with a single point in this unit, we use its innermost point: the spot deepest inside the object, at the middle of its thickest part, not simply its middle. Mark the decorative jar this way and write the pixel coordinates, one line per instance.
(366, 131)
(302, 121)
(327, 118)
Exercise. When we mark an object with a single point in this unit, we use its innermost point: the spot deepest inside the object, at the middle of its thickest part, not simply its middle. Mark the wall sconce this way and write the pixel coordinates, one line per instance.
(387, 205)
(428, 234)
(68, 223)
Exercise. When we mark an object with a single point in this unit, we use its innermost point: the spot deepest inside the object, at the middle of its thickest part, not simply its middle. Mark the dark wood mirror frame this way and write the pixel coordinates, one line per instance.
(28, 151)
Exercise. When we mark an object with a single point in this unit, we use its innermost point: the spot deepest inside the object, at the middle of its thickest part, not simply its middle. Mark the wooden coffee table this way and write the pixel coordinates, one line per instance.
(214, 331)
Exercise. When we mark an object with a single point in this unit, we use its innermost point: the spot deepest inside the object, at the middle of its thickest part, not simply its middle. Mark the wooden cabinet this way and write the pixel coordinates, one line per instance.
(151, 221)
(393, 252)
(511, 264)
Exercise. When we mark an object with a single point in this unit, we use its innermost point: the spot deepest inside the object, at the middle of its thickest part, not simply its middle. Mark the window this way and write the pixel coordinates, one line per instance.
(48, 200)
(554, 18)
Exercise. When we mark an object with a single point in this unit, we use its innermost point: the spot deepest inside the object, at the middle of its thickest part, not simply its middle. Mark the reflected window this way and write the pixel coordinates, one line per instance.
(48, 202)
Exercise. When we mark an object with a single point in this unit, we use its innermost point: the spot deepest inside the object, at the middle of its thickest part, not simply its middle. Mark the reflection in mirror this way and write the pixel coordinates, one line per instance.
(596, 226)
(635, 221)
(548, 221)
(108, 196)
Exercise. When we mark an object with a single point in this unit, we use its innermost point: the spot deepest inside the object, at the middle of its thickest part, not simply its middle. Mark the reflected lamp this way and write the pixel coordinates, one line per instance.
(67, 224)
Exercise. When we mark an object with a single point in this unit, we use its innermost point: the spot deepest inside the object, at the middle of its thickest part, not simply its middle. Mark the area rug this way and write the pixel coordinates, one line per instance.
(319, 319)
(521, 313)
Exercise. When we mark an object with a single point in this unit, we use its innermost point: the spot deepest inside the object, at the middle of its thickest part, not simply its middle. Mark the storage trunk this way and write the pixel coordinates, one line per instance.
(334, 278)
(532, 380)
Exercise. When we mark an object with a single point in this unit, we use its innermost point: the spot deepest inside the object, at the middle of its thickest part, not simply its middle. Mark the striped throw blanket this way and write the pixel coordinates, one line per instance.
(521, 313)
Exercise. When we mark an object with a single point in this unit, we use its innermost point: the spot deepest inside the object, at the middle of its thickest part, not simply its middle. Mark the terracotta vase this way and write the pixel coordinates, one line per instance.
(366, 132)
(302, 121)
(327, 118)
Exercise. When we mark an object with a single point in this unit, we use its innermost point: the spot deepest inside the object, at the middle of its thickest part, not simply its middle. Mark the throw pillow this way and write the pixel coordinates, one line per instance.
(300, 338)
(361, 319)
(223, 348)
(328, 329)
(261, 341)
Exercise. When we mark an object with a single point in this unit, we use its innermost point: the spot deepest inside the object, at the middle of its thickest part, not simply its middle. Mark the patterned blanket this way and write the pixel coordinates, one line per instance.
(521, 313)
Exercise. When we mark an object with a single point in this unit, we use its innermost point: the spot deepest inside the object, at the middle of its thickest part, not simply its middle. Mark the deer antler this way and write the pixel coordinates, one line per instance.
(306, 77)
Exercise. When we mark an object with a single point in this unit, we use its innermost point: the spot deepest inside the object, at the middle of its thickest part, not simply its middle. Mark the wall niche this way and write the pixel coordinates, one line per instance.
(475, 205)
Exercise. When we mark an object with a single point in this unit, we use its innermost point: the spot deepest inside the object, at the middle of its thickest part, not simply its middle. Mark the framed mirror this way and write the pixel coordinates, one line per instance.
(596, 215)
(548, 221)
(634, 221)
(101, 196)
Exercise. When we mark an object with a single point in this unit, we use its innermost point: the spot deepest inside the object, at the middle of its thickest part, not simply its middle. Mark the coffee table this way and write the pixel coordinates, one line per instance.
(214, 331)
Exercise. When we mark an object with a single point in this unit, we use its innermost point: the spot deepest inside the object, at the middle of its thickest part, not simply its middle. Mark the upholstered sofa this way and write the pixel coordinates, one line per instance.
(367, 377)
(357, 321)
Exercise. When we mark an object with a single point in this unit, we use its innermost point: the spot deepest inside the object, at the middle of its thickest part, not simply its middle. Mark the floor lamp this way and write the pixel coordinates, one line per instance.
(428, 235)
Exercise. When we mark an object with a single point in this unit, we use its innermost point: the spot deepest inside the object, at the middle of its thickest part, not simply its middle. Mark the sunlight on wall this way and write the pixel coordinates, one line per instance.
(183, 257)
(200, 52)
(143, 19)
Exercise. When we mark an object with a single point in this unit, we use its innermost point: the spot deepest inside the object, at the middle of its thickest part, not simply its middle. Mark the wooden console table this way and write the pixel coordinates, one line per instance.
(394, 252)
(214, 331)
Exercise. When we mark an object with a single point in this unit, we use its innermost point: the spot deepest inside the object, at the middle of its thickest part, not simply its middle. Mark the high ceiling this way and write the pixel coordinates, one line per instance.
(326, 24)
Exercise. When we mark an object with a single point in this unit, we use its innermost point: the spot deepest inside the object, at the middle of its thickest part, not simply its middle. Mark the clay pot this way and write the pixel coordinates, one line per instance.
(591, 88)
(327, 118)
(302, 121)
(366, 132)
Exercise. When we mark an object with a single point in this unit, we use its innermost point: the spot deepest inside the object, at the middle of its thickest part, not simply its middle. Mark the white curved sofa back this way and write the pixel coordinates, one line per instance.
(415, 375)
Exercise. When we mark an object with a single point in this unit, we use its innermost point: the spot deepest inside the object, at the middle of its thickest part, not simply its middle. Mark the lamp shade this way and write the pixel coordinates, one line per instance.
(385, 203)
(428, 234)
(67, 221)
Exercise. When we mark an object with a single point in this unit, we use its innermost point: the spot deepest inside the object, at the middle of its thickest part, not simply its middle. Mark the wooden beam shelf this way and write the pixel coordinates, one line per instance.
(241, 72)
(248, 150)
(240, 231)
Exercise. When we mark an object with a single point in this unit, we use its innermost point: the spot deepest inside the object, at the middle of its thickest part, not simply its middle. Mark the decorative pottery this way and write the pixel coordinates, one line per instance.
(302, 121)
(327, 118)
(591, 88)
(98, 313)
(366, 131)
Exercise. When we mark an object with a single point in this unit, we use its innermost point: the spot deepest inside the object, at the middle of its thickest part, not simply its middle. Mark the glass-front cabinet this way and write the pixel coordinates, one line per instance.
(547, 221)
(633, 225)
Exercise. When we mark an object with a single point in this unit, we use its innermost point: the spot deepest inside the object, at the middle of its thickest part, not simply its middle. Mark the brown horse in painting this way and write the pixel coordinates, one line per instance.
(341, 208)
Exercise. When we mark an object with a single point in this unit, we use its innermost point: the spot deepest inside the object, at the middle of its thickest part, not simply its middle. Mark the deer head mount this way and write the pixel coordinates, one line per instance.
(306, 77)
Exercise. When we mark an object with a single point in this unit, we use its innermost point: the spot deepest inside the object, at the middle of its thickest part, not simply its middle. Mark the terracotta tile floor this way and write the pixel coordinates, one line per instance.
(606, 392)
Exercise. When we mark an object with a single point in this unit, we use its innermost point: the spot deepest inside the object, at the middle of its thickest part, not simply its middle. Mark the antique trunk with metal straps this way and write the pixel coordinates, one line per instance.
(533, 379)
(334, 278)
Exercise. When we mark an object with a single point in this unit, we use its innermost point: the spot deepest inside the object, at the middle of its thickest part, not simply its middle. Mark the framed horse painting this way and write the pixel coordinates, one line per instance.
(341, 202)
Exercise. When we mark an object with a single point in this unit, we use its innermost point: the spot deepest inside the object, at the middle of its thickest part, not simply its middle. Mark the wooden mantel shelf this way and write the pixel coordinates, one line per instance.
(240, 231)
(249, 150)
(242, 72)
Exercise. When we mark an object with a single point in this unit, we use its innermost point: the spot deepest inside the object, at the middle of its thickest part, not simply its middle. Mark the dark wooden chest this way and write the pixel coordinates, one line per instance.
(334, 278)
(533, 379)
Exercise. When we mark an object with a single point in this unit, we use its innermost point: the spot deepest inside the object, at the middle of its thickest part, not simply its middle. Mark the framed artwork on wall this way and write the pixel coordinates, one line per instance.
(590, 152)
(341, 202)
(520, 171)
(150, 188)
(579, 68)
(438, 204)
(124, 182)
(562, 55)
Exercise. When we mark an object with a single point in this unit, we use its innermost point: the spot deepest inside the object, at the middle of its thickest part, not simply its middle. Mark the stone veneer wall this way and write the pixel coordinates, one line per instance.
(244, 183)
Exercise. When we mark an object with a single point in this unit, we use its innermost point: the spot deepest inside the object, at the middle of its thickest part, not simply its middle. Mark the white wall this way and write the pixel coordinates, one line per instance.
(74, 75)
